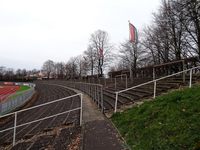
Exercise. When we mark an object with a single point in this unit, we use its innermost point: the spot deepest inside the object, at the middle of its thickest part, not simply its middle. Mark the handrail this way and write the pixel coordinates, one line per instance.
(41, 119)
(44, 118)
(88, 83)
(121, 79)
(169, 63)
(95, 94)
(157, 79)
(154, 81)
(54, 101)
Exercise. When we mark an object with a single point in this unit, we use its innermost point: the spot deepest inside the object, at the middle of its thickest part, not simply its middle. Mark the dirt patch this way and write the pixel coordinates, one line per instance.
(75, 144)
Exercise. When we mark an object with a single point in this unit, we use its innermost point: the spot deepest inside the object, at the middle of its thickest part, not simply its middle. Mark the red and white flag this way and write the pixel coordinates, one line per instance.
(133, 33)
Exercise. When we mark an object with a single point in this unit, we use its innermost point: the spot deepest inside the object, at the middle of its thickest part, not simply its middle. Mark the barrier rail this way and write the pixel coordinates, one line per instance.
(44, 118)
(15, 100)
(165, 65)
(121, 79)
(95, 91)
(155, 83)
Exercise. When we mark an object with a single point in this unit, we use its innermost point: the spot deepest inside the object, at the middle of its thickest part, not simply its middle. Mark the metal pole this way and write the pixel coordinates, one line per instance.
(90, 91)
(95, 91)
(87, 89)
(14, 132)
(98, 95)
(154, 93)
(190, 84)
(183, 70)
(116, 99)
(98, 98)
(115, 83)
(126, 82)
(102, 99)
(81, 111)
(154, 75)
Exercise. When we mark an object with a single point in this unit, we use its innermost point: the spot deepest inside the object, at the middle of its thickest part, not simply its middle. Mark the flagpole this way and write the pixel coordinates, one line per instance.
(130, 65)
(134, 46)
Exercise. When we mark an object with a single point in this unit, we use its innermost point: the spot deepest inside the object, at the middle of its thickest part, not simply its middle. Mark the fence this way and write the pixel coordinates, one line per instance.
(15, 100)
(15, 126)
(155, 82)
(122, 75)
(95, 91)
(32, 85)
(160, 70)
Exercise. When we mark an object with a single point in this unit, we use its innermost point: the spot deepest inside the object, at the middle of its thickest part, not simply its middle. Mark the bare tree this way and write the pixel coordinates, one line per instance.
(9, 74)
(90, 57)
(82, 66)
(48, 67)
(99, 42)
(59, 70)
(130, 55)
(174, 33)
(2, 72)
(191, 22)
(71, 68)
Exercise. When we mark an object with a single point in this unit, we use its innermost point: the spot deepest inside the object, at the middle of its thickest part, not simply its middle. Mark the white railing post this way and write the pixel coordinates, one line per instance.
(14, 132)
(190, 84)
(154, 91)
(81, 111)
(116, 99)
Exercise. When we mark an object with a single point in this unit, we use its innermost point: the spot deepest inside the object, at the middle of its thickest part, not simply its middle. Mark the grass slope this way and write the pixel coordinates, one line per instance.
(23, 88)
(169, 122)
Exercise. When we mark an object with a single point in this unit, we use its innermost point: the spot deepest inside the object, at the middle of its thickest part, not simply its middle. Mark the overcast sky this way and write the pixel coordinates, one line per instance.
(33, 31)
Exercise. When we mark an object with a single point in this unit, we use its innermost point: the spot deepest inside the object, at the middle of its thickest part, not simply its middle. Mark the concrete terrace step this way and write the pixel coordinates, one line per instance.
(124, 94)
(112, 96)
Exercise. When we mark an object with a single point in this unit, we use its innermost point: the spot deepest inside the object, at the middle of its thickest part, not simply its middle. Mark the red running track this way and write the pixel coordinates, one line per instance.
(5, 91)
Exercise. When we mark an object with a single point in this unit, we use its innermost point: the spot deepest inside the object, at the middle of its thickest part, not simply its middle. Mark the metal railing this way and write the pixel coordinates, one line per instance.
(122, 75)
(15, 100)
(167, 64)
(155, 83)
(95, 91)
(15, 126)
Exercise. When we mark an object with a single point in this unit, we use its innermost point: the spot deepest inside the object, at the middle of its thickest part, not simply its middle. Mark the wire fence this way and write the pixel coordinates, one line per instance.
(95, 91)
(15, 100)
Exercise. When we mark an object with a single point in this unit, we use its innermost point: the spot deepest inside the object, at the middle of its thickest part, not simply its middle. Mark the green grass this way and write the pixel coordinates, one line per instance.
(23, 88)
(170, 122)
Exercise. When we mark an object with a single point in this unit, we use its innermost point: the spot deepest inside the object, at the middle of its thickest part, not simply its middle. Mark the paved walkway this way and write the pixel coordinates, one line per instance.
(99, 134)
